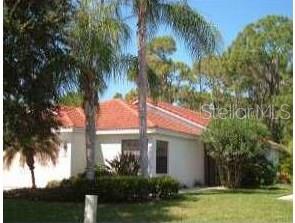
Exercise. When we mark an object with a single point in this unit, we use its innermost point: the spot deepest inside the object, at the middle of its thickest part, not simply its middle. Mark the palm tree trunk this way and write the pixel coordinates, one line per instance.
(90, 103)
(30, 162)
(142, 89)
(33, 178)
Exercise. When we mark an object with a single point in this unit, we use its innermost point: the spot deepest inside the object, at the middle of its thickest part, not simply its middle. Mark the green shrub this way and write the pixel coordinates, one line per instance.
(122, 188)
(108, 189)
(130, 188)
(124, 165)
(59, 194)
(285, 168)
(232, 142)
(164, 187)
(258, 171)
(102, 171)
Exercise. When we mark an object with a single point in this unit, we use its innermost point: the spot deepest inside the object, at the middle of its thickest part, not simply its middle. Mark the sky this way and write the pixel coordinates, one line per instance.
(230, 17)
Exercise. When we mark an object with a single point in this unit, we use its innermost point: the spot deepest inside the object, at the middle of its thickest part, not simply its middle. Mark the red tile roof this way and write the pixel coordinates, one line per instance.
(118, 114)
(193, 116)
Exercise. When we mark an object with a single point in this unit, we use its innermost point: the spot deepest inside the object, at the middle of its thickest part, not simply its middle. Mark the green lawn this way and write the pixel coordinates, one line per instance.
(243, 206)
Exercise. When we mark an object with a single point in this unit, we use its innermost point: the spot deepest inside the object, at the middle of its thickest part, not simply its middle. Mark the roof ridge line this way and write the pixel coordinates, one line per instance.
(135, 112)
(182, 108)
(158, 104)
(177, 116)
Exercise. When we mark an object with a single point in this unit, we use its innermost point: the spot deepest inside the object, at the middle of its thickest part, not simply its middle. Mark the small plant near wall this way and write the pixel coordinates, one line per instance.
(125, 164)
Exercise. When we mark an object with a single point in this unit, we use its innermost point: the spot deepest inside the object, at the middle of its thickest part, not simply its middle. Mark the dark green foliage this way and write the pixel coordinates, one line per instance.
(233, 142)
(285, 168)
(97, 37)
(123, 188)
(102, 171)
(35, 60)
(124, 165)
(108, 189)
(166, 77)
(256, 70)
(59, 194)
(258, 171)
(164, 187)
(258, 61)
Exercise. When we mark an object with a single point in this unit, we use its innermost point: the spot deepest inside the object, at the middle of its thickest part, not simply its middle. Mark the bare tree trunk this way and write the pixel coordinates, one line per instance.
(30, 162)
(90, 103)
(142, 89)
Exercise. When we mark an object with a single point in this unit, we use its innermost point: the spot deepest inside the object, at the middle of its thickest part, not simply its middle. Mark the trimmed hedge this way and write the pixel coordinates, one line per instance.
(108, 189)
(58, 194)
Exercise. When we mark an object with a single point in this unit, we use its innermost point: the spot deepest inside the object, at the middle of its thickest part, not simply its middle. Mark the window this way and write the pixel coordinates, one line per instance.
(162, 157)
(131, 146)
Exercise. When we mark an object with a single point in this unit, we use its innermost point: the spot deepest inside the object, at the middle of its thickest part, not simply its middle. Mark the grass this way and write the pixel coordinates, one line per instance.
(208, 206)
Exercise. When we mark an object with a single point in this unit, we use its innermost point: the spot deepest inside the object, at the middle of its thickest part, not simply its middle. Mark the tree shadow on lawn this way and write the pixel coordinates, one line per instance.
(39, 211)
(156, 211)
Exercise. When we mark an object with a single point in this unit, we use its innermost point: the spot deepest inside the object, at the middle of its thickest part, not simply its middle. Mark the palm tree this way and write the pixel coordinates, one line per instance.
(43, 150)
(96, 39)
(199, 36)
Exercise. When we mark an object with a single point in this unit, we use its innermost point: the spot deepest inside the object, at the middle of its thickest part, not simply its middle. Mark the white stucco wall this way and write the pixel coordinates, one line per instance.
(185, 159)
(18, 177)
(78, 160)
(109, 146)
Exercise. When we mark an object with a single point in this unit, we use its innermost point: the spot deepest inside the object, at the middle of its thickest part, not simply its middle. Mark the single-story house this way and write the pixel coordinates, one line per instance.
(174, 145)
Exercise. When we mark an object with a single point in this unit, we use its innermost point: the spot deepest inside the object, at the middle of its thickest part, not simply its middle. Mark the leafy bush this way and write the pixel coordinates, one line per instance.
(285, 168)
(232, 142)
(164, 187)
(59, 194)
(108, 189)
(258, 171)
(124, 165)
(102, 171)
(123, 188)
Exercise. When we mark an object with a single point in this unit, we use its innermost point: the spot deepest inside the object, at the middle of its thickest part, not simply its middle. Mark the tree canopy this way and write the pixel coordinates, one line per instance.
(232, 142)
(97, 36)
(71, 98)
(255, 71)
(35, 55)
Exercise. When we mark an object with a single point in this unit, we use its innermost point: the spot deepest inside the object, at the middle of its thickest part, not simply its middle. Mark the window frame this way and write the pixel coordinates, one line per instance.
(167, 157)
(138, 150)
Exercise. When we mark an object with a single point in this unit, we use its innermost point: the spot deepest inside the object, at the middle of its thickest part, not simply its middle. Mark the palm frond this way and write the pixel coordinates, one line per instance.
(9, 155)
(201, 37)
(97, 38)
(44, 150)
